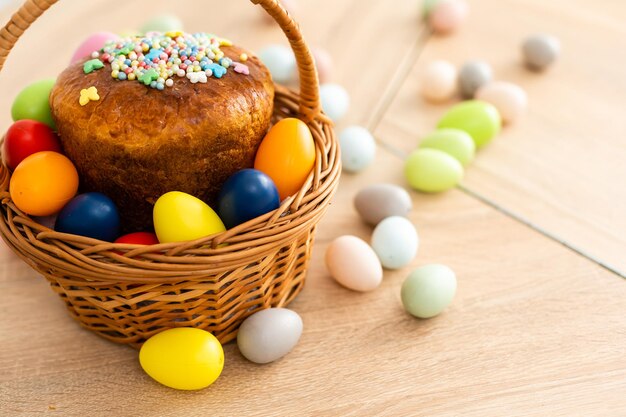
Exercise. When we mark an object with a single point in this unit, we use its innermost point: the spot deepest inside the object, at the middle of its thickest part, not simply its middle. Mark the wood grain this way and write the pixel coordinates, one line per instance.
(561, 166)
(534, 330)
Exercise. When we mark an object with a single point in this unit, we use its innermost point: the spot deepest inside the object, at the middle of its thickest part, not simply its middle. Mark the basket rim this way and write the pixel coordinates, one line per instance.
(296, 214)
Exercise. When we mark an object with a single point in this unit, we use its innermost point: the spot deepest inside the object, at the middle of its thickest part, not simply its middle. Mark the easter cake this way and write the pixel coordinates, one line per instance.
(150, 114)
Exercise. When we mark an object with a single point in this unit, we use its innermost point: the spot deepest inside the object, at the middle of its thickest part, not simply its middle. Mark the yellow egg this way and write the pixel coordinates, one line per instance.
(179, 217)
(183, 358)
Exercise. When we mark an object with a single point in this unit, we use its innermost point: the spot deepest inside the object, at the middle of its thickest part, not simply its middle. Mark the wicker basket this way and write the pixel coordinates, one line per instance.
(127, 293)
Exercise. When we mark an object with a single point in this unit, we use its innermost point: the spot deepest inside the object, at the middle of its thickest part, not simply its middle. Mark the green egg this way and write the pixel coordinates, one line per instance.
(428, 290)
(454, 142)
(478, 118)
(163, 23)
(432, 170)
(33, 102)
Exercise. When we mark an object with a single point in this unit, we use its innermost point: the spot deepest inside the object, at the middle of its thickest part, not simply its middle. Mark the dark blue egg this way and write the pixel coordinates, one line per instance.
(92, 215)
(247, 194)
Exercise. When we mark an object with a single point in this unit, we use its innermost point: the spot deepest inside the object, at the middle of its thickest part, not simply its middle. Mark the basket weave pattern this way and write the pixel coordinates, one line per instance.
(127, 293)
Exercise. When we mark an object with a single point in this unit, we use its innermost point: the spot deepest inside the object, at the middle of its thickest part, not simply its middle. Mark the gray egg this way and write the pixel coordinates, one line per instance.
(268, 335)
(379, 201)
(540, 51)
(473, 75)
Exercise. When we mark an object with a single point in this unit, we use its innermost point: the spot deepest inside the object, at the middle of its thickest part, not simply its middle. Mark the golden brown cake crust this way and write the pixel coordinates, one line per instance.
(137, 143)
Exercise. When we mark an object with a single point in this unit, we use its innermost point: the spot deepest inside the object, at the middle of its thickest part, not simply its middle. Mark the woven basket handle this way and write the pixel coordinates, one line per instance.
(309, 92)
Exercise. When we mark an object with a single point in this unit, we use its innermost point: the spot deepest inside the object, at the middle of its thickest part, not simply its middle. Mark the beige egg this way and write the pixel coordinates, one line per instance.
(447, 15)
(323, 64)
(510, 99)
(439, 81)
(354, 264)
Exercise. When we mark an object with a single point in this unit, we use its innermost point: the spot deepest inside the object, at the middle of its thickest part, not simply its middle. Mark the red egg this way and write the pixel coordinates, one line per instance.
(26, 137)
(138, 238)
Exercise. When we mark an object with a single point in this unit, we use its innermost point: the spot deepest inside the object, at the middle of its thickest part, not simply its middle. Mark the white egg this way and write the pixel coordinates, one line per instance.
(268, 335)
(335, 101)
(358, 148)
(280, 61)
(395, 241)
(438, 81)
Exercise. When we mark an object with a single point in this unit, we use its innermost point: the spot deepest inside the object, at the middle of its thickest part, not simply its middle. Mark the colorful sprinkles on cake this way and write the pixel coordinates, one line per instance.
(156, 58)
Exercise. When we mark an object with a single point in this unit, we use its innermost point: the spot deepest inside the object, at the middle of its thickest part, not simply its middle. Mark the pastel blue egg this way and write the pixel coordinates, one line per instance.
(358, 148)
(335, 101)
(92, 215)
(247, 194)
(280, 61)
(395, 241)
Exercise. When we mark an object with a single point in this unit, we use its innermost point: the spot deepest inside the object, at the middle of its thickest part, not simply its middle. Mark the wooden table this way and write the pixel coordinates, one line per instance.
(536, 233)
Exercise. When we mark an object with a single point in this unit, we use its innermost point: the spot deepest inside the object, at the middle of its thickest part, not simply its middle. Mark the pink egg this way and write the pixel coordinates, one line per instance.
(510, 99)
(447, 15)
(91, 44)
(323, 63)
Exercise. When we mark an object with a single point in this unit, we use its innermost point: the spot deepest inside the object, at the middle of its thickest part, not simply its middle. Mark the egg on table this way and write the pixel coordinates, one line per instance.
(510, 99)
(428, 290)
(335, 101)
(478, 118)
(432, 171)
(454, 142)
(183, 358)
(379, 201)
(353, 264)
(268, 335)
(358, 148)
(395, 241)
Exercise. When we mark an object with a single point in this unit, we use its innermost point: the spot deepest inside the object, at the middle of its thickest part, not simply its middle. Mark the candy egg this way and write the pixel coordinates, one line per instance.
(26, 137)
(93, 43)
(428, 290)
(43, 183)
(162, 23)
(510, 100)
(335, 101)
(268, 335)
(353, 263)
(32, 103)
(358, 148)
(138, 238)
(183, 358)
(446, 16)
(280, 61)
(287, 155)
(472, 76)
(432, 171)
(454, 142)
(540, 51)
(323, 64)
(379, 201)
(395, 241)
(91, 215)
(247, 194)
(439, 81)
(179, 217)
(478, 118)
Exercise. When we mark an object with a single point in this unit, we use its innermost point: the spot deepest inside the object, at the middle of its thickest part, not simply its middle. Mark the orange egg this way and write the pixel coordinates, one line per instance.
(43, 183)
(287, 155)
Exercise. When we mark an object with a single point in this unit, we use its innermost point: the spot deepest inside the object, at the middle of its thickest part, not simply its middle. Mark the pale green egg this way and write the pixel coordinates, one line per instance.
(478, 118)
(432, 170)
(428, 290)
(454, 142)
